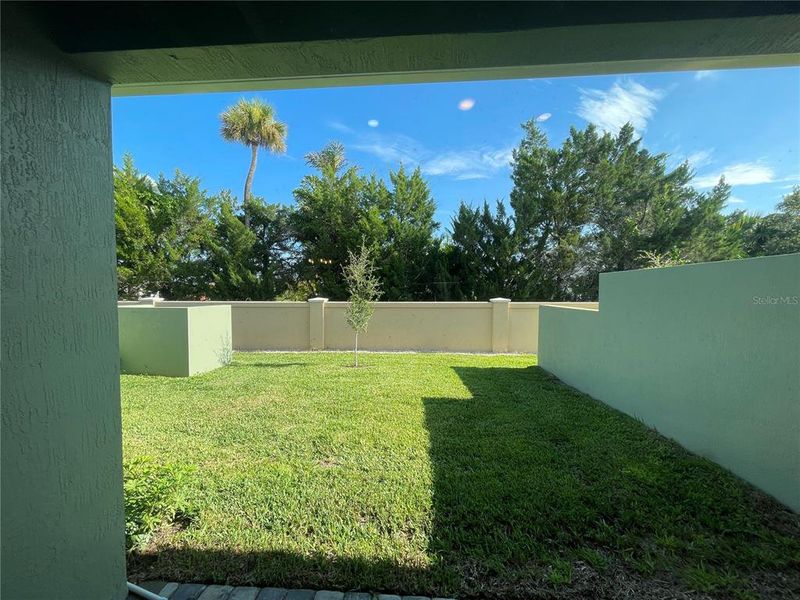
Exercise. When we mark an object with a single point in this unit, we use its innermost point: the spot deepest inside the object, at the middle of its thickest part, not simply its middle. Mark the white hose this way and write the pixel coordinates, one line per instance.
(140, 591)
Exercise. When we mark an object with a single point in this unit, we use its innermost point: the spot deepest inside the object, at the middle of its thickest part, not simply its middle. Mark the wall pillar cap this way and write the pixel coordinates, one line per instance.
(150, 300)
(500, 300)
(318, 299)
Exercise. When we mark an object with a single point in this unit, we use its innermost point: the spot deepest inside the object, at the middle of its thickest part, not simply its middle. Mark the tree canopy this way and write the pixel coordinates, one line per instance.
(597, 202)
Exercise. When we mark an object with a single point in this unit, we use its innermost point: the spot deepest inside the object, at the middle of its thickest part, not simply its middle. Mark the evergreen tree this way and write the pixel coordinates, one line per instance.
(329, 220)
(134, 237)
(485, 255)
(275, 252)
(182, 227)
(231, 259)
(406, 238)
(161, 231)
(709, 235)
(777, 233)
(604, 203)
(636, 205)
(551, 209)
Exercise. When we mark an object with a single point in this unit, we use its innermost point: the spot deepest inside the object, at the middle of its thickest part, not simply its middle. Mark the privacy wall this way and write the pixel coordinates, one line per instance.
(707, 354)
(494, 326)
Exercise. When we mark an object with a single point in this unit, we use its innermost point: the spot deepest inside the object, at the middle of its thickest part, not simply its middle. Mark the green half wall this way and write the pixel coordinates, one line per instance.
(707, 354)
(174, 341)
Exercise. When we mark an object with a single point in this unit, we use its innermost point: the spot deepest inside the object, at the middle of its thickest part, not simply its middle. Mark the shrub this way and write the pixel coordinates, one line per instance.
(299, 292)
(654, 260)
(155, 495)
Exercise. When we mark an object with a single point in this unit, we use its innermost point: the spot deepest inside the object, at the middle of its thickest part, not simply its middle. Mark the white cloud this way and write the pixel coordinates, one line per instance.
(373, 123)
(462, 164)
(448, 163)
(739, 174)
(390, 148)
(795, 179)
(497, 159)
(701, 75)
(625, 101)
(735, 200)
(543, 117)
(700, 158)
(469, 176)
(339, 126)
(466, 104)
(468, 164)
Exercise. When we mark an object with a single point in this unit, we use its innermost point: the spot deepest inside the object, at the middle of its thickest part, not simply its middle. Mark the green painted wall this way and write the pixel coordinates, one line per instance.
(707, 354)
(153, 341)
(62, 511)
(173, 341)
(210, 338)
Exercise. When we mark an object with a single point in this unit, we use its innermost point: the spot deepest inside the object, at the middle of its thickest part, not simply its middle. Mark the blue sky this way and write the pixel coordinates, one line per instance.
(743, 123)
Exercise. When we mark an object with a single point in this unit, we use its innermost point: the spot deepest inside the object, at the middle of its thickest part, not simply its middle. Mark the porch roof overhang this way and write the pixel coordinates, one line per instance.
(176, 47)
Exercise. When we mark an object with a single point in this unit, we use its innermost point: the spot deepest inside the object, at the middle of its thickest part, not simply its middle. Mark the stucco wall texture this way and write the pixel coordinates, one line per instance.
(62, 511)
(708, 354)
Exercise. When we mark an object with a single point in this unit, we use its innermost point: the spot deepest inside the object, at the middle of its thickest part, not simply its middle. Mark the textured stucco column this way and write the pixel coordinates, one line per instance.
(62, 513)
(316, 323)
(500, 307)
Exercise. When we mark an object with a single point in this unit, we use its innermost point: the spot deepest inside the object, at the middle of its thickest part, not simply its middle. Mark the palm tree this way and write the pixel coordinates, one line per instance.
(253, 123)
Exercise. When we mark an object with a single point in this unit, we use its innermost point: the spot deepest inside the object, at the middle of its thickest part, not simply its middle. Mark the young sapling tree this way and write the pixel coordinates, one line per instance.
(364, 288)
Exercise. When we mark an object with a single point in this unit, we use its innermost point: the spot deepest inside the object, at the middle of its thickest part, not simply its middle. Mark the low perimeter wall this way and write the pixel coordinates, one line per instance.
(495, 326)
(707, 354)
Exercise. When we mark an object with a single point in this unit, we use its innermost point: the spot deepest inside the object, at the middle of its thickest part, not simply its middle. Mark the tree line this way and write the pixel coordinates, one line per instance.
(598, 202)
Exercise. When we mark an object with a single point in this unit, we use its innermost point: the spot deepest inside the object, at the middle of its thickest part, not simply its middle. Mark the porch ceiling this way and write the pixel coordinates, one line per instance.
(172, 47)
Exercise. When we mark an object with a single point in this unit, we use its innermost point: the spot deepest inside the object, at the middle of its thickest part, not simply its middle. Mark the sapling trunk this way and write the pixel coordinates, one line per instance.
(356, 350)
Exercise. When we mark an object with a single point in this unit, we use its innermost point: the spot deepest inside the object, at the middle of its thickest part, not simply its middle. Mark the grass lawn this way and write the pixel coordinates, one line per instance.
(461, 475)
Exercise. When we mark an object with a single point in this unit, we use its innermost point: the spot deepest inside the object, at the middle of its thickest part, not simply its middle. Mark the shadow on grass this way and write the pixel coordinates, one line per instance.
(540, 491)
(277, 569)
(536, 484)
